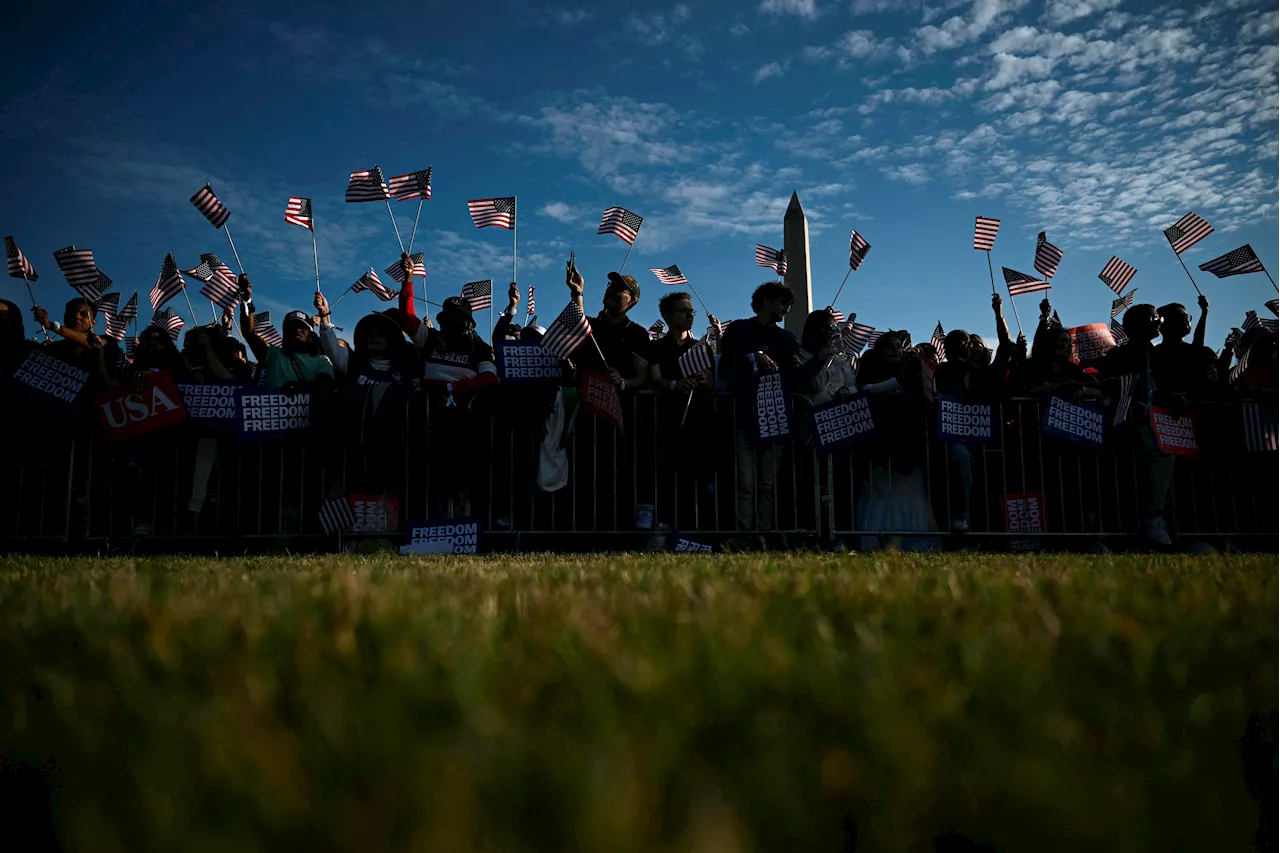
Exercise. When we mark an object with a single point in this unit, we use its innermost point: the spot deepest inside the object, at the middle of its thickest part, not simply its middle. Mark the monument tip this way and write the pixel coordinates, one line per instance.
(794, 208)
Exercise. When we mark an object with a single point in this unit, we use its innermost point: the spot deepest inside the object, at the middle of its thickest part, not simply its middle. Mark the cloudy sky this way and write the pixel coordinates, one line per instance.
(1099, 121)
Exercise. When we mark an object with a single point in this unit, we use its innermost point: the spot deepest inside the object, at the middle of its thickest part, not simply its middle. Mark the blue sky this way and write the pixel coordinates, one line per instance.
(1099, 121)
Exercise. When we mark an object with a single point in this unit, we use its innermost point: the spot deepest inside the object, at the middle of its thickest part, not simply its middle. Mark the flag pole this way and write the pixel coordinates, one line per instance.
(838, 290)
(339, 299)
(628, 255)
(1013, 303)
(315, 257)
(33, 301)
(1264, 272)
(213, 312)
(393, 224)
(415, 224)
(514, 222)
(195, 321)
(1187, 271)
(234, 253)
(991, 272)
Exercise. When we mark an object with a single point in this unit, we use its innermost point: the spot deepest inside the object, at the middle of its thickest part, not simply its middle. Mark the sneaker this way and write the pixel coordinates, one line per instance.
(960, 524)
(1158, 533)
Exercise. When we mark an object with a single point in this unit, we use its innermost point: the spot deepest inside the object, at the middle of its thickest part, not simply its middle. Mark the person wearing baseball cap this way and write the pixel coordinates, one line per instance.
(299, 357)
(624, 343)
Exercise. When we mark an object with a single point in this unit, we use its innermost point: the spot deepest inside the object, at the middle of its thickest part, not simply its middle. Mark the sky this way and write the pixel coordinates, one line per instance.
(1100, 122)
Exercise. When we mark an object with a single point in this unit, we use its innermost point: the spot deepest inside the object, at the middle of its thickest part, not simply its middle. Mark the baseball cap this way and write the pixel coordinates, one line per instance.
(299, 316)
(628, 282)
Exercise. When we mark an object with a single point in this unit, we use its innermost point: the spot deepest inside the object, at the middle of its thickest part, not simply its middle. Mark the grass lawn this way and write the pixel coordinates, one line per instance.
(618, 703)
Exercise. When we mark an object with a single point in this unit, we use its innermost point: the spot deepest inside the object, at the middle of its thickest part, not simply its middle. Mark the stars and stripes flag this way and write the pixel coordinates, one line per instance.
(1124, 303)
(872, 338)
(856, 336)
(219, 290)
(262, 328)
(713, 333)
(129, 346)
(367, 185)
(1048, 256)
(493, 211)
(168, 321)
(1125, 399)
(1273, 305)
(336, 515)
(670, 276)
(19, 266)
(411, 186)
(1236, 262)
(1020, 283)
(1253, 321)
(656, 330)
(298, 212)
(567, 332)
(1259, 427)
(419, 268)
(1186, 232)
(1117, 333)
(118, 321)
(858, 249)
(621, 223)
(207, 203)
(93, 292)
(201, 271)
(107, 306)
(696, 359)
(479, 294)
(1056, 322)
(530, 311)
(939, 342)
(1241, 365)
(1117, 275)
(220, 271)
(168, 285)
(370, 281)
(837, 315)
(984, 233)
(774, 259)
(78, 266)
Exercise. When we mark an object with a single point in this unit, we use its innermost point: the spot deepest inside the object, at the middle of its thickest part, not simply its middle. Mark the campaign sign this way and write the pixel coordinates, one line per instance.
(375, 513)
(772, 421)
(1081, 424)
(600, 397)
(1090, 342)
(266, 414)
(211, 405)
(965, 423)
(50, 379)
(123, 413)
(1024, 513)
(526, 363)
(443, 536)
(1175, 432)
(842, 423)
(685, 545)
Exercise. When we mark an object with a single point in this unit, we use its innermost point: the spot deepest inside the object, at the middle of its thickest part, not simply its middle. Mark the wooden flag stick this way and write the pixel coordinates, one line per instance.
(839, 289)
(415, 224)
(1187, 271)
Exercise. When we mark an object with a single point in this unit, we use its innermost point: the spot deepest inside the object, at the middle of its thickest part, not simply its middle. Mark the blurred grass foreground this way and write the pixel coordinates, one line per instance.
(660, 702)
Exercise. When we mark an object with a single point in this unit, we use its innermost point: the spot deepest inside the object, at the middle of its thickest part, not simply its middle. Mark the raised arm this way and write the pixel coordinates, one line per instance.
(1197, 339)
(573, 279)
(328, 338)
(1002, 328)
(252, 338)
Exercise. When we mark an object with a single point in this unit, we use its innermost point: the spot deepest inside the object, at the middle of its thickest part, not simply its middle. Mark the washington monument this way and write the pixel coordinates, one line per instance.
(795, 240)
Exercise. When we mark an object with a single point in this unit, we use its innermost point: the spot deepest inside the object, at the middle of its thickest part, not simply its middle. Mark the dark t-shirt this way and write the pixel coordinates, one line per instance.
(666, 352)
(618, 342)
(1183, 368)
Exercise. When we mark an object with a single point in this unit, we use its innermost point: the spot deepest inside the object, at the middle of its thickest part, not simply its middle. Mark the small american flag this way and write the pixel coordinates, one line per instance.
(118, 322)
(838, 316)
(669, 276)
(1253, 321)
(93, 292)
(530, 311)
(1048, 256)
(218, 290)
(939, 342)
(19, 266)
(129, 346)
(1117, 274)
(479, 294)
(875, 336)
(1117, 332)
(367, 185)
(107, 305)
(1057, 321)
(221, 272)
(493, 211)
(298, 212)
(622, 223)
(1259, 427)
(1273, 305)
(696, 359)
(1235, 262)
(1186, 232)
(567, 332)
(335, 513)
(855, 337)
(1241, 365)
(262, 328)
(370, 281)
(1125, 400)
(411, 186)
(774, 259)
(168, 321)
(419, 268)
(78, 266)
(984, 233)
(201, 271)
(656, 330)
(1124, 303)
(858, 249)
(1020, 283)
(168, 285)
(207, 203)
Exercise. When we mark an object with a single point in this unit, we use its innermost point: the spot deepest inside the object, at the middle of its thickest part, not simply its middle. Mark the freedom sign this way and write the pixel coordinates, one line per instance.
(1090, 342)
(124, 414)
(50, 380)
(684, 545)
(527, 363)
(965, 423)
(374, 513)
(445, 536)
(600, 397)
(1175, 432)
(1024, 513)
(211, 406)
(771, 421)
(842, 423)
(1079, 423)
(266, 414)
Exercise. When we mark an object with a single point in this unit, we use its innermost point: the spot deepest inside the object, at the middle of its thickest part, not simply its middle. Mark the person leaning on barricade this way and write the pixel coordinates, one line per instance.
(1186, 369)
(79, 345)
(298, 360)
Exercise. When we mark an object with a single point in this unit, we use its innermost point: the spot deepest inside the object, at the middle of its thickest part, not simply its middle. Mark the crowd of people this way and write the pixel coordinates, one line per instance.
(396, 360)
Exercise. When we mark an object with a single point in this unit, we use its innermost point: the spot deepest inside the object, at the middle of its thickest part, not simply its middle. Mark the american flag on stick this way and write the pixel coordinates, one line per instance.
(1253, 321)
(493, 211)
(218, 290)
(212, 209)
(696, 359)
(530, 311)
(479, 294)
(875, 336)
(118, 320)
(670, 276)
(78, 266)
(567, 332)
(335, 513)
(221, 272)
(621, 223)
(984, 233)
(656, 330)
(939, 341)
(837, 315)
(774, 259)
(856, 336)
(168, 321)
(367, 185)
(1119, 306)
(419, 268)
(370, 281)
(1236, 262)
(1273, 305)
(1125, 399)
(107, 306)
(93, 292)
(1259, 427)
(262, 328)
(1020, 283)
(1186, 232)
(1048, 256)
(411, 186)
(298, 212)
(168, 285)
(858, 249)
(1117, 333)
(19, 266)
(1117, 274)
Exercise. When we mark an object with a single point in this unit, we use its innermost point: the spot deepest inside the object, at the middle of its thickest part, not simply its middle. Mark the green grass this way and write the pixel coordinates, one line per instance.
(657, 702)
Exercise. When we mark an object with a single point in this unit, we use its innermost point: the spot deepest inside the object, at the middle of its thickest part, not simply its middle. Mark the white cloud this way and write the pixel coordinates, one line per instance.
(803, 8)
(772, 69)
(916, 174)
(1058, 12)
(558, 211)
(960, 30)
(571, 17)
(852, 48)
(739, 29)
